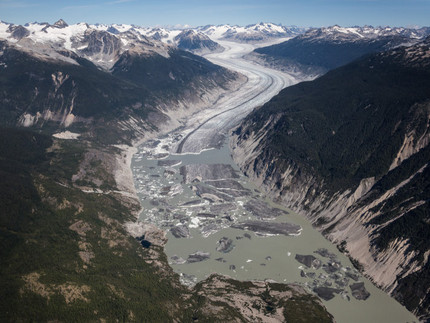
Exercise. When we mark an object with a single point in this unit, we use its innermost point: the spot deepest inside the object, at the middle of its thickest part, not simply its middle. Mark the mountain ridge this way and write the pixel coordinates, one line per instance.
(349, 151)
(130, 76)
(72, 105)
(321, 49)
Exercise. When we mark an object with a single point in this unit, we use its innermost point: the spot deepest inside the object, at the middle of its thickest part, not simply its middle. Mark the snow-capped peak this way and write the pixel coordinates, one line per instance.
(366, 32)
(60, 24)
(102, 44)
(253, 33)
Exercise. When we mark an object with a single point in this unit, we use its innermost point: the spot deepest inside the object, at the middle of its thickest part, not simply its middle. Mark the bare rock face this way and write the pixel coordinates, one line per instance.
(101, 42)
(18, 32)
(151, 233)
(196, 42)
(60, 24)
(377, 213)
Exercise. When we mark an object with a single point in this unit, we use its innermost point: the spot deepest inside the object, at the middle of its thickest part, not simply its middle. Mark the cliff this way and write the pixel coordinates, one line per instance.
(350, 151)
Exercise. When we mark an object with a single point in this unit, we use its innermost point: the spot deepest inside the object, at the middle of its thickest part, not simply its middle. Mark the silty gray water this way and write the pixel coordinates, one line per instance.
(217, 221)
(203, 239)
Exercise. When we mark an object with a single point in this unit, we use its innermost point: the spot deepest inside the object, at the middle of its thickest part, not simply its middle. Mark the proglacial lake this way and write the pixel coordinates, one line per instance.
(198, 198)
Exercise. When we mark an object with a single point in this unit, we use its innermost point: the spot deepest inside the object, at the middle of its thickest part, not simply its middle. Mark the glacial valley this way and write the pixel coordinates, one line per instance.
(219, 221)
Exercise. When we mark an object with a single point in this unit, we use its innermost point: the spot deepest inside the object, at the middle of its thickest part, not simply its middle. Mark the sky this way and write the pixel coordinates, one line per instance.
(303, 13)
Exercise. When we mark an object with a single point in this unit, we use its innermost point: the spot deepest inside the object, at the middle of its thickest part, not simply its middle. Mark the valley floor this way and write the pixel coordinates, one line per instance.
(189, 185)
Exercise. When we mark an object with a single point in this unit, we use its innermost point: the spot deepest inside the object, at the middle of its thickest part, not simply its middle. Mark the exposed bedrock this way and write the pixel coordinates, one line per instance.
(366, 219)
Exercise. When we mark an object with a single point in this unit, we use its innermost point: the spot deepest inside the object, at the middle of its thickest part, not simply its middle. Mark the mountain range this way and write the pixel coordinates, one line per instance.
(319, 50)
(252, 33)
(72, 101)
(349, 150)
(61, 76)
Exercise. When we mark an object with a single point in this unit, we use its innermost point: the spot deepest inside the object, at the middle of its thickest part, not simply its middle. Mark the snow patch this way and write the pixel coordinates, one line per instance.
(27, 120)
(66, 135)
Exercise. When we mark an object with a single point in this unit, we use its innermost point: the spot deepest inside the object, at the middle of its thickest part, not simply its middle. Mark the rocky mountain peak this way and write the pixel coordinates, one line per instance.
(195, 41)
(187, 32)
(417, 56)
(365, 33)
(60, 24)
(250, 33)
(18, 32)
(191, 34)
(113, 30)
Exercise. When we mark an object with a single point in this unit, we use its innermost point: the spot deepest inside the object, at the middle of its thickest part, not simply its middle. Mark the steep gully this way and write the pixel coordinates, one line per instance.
(189, 185)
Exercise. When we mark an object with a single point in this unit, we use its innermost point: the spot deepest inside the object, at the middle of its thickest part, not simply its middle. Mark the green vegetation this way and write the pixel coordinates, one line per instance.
(348, 124)
(304, 309)
(66, 256)
(64, 252)
(268, 299)
(20, 152)
(40, 246)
